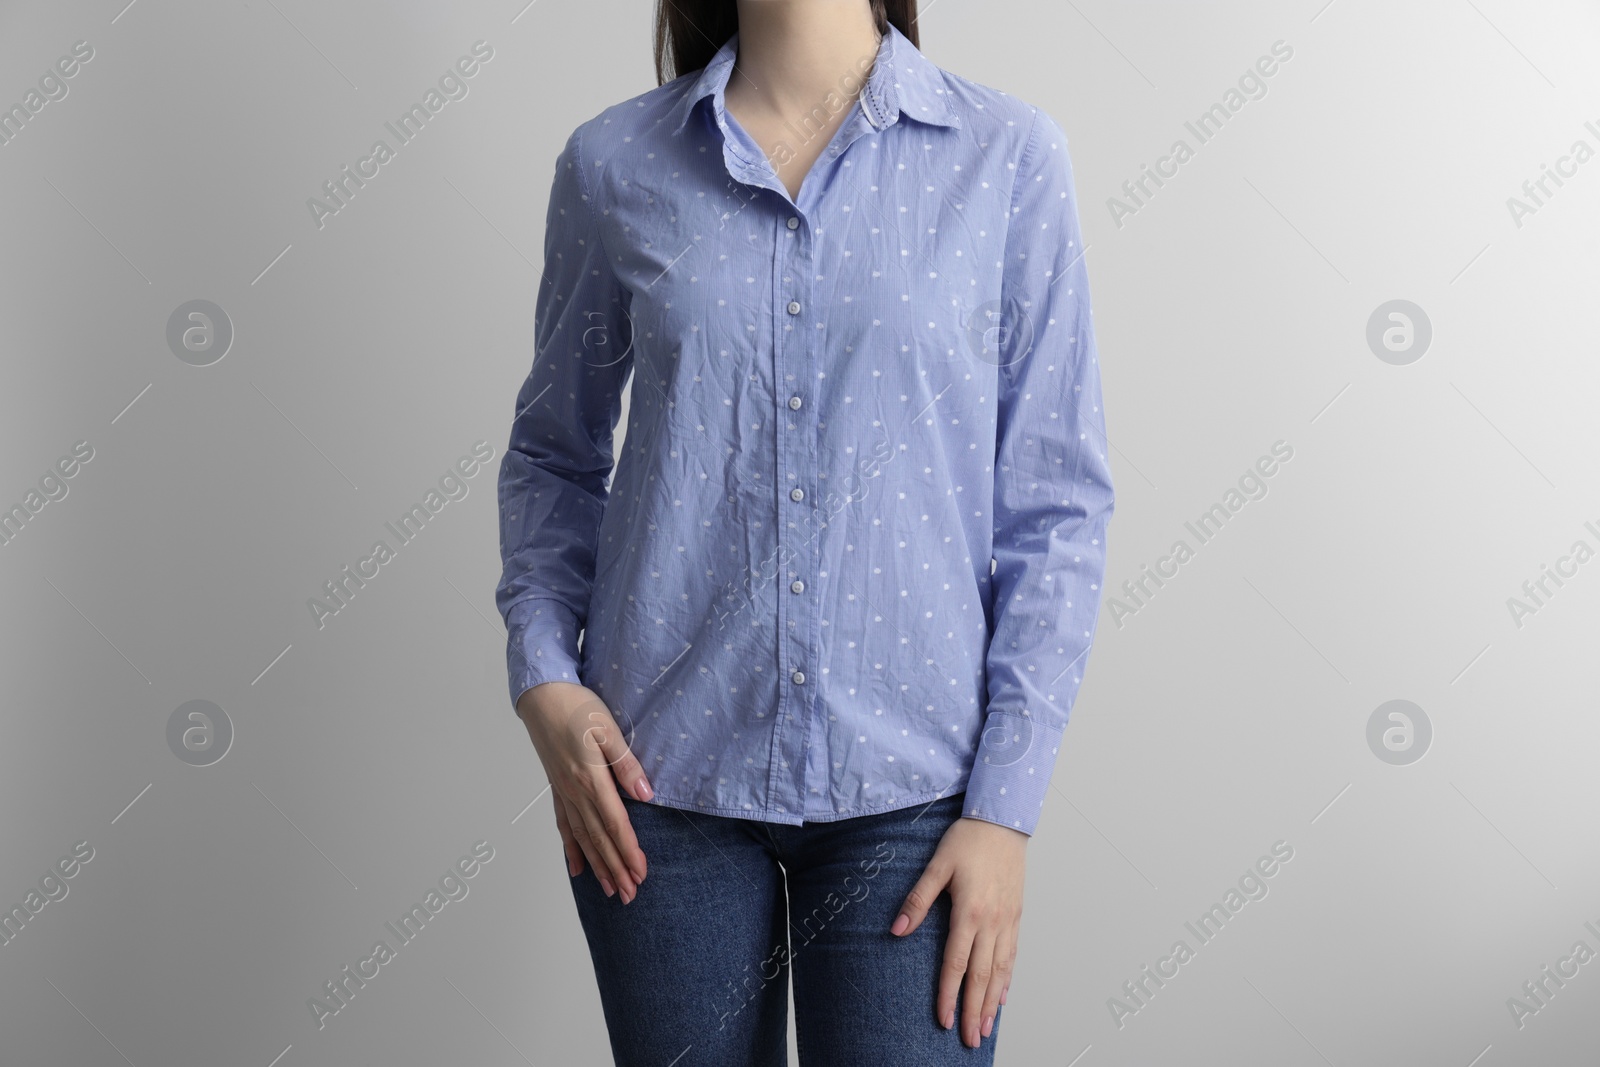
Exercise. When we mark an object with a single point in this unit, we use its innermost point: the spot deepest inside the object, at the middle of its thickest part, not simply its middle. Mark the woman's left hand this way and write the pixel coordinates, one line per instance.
(981, 864)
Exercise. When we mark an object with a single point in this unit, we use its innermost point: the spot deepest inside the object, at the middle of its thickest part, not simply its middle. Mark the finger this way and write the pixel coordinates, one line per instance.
(957, 953)
(569, 844)
(629, 773)
(602, 815)
(1005, 953)
(980, 969)
(600, 843)
(590, 847)
(614, 815)
(921, 897)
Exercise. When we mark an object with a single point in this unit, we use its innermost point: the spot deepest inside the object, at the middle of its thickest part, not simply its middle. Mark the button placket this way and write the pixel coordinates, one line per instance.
(800, 772)
(797, 361)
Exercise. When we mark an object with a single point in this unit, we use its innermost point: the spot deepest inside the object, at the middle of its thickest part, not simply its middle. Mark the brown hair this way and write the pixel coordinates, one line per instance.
(689, 32)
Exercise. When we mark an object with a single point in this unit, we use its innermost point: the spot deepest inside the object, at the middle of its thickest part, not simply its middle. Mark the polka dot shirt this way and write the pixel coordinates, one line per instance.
(812, 491)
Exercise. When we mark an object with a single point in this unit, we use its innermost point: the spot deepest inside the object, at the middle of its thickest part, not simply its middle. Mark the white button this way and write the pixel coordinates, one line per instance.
(797, 586)
(794, 224)
(797, 494)
(794, 403)
(798, 678)
(794, 307)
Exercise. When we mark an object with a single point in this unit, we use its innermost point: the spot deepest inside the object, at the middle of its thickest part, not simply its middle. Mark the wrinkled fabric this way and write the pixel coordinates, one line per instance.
(848, 557)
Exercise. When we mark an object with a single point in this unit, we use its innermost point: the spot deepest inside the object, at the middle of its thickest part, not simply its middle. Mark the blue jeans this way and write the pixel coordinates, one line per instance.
(695, 972)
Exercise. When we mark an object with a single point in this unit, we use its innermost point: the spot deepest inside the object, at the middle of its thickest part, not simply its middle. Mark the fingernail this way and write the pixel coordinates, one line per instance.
(605, 883)
(642, 789)
(949, 1018)
(988, 1024)
(1003, 993)
(900, 925)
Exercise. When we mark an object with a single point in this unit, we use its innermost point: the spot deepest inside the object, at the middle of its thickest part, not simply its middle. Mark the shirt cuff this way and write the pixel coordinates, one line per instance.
(1011, 772)
(541, 645)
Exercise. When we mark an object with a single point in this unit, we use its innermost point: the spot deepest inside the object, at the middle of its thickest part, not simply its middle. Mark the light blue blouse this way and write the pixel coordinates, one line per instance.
(849, 556)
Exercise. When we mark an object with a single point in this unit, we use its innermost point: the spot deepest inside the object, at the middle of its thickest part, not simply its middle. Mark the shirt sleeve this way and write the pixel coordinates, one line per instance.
(554, 475)
(1053, 494)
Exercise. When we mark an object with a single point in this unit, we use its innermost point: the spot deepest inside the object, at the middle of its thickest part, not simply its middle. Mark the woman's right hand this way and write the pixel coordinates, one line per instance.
(585, 758)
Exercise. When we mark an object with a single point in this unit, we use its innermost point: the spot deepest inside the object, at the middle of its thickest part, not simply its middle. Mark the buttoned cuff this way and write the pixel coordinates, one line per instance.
(541, 645)
(1011, 772)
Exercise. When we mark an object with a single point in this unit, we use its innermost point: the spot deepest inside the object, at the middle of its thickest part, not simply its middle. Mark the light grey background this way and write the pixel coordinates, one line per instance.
(370, 354)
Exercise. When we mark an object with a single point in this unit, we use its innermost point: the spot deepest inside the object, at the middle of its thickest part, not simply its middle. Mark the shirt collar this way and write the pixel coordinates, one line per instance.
(903, 81)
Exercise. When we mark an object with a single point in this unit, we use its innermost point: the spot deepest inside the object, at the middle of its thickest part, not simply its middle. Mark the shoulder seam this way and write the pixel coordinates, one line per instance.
(1026, 156)
(1016, 179)
(588, 203)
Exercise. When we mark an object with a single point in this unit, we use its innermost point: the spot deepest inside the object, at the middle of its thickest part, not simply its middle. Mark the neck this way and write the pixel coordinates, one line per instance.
(793, 53)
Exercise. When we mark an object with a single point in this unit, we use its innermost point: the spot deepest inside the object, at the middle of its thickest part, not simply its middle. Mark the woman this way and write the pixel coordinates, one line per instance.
(837, 598)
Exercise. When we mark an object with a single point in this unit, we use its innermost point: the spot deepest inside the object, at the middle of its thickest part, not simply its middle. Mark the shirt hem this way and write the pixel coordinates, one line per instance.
(788, 819)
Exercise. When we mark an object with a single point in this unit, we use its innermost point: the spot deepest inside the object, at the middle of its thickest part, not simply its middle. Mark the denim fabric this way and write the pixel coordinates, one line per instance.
(695, 971)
